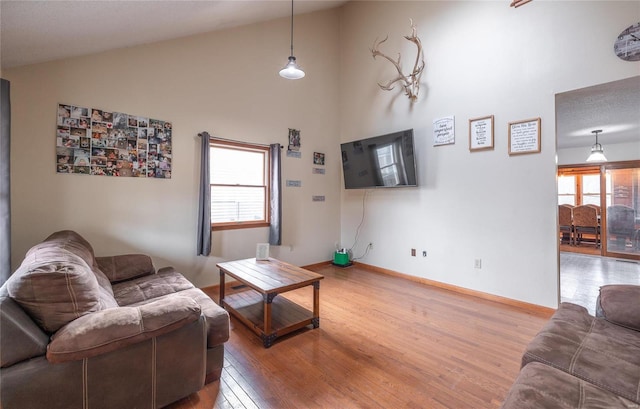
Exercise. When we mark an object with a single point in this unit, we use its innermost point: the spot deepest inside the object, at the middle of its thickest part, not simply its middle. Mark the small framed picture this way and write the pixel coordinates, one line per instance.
(444, 131)
(294, 139)
(318, 158)
(481, 133)
(262, 251)
(524, 137)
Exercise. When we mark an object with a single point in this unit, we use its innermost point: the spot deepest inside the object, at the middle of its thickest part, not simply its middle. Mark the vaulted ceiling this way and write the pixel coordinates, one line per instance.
(38, 31)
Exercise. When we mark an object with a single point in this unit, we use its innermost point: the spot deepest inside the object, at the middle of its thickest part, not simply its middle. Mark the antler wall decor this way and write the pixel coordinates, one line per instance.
(411, 82)
(518, 3)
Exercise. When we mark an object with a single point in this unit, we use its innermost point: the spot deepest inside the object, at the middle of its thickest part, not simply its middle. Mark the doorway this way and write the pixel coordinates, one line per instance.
(610, 254)
(613, 256)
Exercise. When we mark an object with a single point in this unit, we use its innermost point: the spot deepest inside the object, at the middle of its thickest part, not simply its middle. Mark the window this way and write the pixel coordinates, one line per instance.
(239, 177)
(580, 186)
(567, 190)
(591, 189)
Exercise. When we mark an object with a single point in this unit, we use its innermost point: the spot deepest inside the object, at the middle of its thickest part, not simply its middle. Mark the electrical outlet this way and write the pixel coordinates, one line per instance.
(477, 263)
(424, 253)
(413, 252)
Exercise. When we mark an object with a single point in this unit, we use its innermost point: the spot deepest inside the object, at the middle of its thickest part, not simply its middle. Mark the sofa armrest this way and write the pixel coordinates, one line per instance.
(20, 337)
(108, 330)
(620, 304)
(126, 266)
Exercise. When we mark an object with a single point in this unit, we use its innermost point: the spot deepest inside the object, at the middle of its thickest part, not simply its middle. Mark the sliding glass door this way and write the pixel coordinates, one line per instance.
(614, 189)
(621, 223)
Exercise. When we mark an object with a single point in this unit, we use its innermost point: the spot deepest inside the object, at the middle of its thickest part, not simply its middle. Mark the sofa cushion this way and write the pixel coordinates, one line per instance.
(217, 318)
(56, 286)
(73, 242)
(539, 386)
(166, 281)
(591, 349)
(115, 328)
(172, 283)
(620, 304)
(125, 267)
(76, 244)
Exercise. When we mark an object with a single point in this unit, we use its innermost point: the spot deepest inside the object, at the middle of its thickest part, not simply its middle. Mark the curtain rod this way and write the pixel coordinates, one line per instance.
(231, 140)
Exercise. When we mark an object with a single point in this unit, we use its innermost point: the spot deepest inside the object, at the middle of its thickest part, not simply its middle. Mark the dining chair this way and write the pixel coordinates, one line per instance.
(585, 221)
(565, 224)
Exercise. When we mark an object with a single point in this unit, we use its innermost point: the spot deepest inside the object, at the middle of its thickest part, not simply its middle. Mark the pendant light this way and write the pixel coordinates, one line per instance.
(291, 71)
(597, 153)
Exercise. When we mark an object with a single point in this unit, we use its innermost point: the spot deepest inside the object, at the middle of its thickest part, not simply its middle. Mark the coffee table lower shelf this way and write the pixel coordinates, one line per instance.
(286, 316)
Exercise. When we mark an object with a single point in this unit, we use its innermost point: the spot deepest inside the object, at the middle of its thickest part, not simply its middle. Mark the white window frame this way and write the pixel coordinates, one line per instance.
(266, 181)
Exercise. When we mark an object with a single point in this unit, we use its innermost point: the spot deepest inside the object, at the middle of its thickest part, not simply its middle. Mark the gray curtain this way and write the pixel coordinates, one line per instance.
(275, 230)
(5, 192)
(204, 207)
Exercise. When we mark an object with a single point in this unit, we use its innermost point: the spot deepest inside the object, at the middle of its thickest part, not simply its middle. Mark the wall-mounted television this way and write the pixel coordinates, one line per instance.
(381, 161)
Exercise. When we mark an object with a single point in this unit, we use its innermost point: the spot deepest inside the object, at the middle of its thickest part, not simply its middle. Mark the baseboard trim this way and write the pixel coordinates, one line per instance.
(315, 265)
(532, 308)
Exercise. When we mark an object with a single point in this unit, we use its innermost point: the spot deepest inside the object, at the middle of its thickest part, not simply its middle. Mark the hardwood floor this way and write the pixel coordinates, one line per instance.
(383, 342)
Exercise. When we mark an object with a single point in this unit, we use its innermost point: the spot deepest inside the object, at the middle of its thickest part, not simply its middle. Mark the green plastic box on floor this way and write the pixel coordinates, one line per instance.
(341, 259)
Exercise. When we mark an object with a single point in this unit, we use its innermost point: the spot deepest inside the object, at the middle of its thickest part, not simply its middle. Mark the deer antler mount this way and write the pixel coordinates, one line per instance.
(410, 82)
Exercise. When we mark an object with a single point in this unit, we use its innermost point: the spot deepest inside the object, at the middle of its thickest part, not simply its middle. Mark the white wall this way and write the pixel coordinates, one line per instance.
(614, 152)
(226, 83)
(483, 58)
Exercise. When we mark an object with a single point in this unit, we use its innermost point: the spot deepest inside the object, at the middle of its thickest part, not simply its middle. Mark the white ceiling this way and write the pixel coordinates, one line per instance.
(38, 31)
(34, 31)
(613, 107)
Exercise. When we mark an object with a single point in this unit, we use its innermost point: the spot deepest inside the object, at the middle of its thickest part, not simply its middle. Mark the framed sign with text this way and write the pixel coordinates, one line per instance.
(481, 133)
(524, 137)
(444, 131)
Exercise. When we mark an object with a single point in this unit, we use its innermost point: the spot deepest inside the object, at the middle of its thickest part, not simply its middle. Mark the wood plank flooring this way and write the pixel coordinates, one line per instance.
(383, 342)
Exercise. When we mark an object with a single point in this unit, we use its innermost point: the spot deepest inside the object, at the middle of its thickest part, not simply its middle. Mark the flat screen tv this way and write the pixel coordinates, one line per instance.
(381, 161)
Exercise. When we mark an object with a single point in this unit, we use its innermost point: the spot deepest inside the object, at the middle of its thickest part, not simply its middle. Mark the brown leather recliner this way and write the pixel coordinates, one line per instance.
(78, 331)
(581, 361)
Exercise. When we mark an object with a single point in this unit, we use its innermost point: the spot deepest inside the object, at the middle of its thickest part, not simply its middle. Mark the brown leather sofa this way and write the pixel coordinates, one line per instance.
(581, 361)
(79, 331)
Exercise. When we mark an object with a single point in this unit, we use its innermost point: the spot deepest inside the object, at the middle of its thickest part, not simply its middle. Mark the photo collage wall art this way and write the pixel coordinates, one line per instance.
(97, 142)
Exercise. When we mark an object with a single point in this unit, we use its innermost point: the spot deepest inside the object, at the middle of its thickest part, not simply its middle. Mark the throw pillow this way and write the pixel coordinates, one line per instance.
(56, 286)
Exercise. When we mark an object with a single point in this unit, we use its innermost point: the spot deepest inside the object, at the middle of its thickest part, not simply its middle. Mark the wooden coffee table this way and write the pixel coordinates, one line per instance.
(258, 308)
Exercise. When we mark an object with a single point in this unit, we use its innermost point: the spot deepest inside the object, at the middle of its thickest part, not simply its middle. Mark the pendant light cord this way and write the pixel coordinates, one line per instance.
(291, 70)
(291, 27)
(596, 132)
